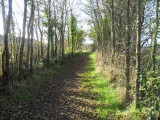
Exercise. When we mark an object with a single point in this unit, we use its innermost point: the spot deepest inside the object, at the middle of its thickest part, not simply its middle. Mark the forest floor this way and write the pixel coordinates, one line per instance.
(67, 95)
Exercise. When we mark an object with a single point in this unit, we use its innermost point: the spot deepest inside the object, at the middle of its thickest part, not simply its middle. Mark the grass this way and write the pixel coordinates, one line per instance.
(158, 59)
(108, 101)
(109, 104)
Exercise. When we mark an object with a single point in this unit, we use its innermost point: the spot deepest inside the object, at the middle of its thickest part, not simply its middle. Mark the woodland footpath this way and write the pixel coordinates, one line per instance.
(72, 91)
(47, 69)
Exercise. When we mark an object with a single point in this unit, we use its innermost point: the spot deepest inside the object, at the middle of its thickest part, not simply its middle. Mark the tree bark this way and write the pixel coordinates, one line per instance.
(28, 45)
(3, 51)
(113, 34)
(55, 36)
(154, 48)
(138, 54)
(32, 31)
(62, 33)
(23, 38)
(127, 69)
(48, 49)
(40, 30)
(6, 49)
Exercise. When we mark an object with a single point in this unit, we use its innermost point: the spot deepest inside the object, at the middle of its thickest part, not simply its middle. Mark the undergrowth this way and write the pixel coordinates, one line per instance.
(32, 83)
(35, 81)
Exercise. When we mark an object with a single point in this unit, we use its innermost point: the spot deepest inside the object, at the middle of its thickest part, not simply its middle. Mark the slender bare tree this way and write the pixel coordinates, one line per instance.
(23, 38)
(127, 45)
(6, 50)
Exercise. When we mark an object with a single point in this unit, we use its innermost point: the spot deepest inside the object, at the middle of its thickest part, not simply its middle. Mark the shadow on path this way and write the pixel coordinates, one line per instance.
(59, 98)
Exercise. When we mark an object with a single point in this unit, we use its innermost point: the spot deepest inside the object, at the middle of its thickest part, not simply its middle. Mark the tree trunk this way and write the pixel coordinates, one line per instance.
(48, 49)
(113, 34)
(127, 69)
(56, 43)
(3, 51)
(55, 36)
(154, 48)
(6, 50)
(52, 41)
(138, 54)
(62, 36)
(72, 35)
(23, 39)
(28, 45)
(37, 43)
(40, 30)
(32, 31)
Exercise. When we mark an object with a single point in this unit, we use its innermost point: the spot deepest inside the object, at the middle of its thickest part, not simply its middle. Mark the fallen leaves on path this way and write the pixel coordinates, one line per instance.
(60, 98)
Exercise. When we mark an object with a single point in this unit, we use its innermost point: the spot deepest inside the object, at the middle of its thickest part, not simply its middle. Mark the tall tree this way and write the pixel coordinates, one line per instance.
(113, 32)
(40, 29)
(32, 33)
(73, 28)
(55, 35)
(23, 37)
(155, 32)
(62, 30)
(6, 49)
(49, 26)
(127, 45)
(138, 54)
(3, 52)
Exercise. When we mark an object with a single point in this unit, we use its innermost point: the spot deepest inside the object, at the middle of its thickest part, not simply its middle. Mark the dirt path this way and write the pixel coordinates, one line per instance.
(58, 98)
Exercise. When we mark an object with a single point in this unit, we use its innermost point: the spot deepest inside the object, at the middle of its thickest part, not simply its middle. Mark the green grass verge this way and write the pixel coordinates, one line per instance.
(109, 105)
(107, 99)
